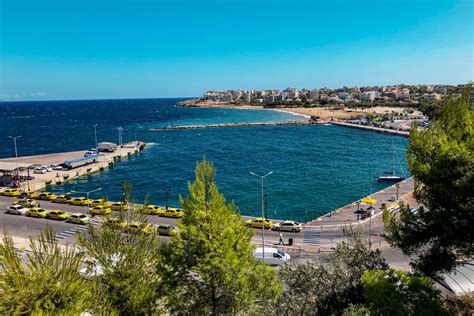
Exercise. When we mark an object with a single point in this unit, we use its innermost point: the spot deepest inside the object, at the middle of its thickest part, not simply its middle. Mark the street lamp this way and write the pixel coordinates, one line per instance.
(167, 192)
(87, 193)
(263, 207)
(95, 134)
(16, 157)
(397, 186)
(120, 130)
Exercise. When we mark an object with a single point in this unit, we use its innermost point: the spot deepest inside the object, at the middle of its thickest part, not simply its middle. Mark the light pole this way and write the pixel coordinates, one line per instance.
(167, 192)
(87, 194)
(263, 210)
(397, 186)
(16, 157)
(120, 130)
(95, 134)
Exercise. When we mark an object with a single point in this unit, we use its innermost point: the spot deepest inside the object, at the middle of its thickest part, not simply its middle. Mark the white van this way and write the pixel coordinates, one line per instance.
(108, 147)
(273, 256)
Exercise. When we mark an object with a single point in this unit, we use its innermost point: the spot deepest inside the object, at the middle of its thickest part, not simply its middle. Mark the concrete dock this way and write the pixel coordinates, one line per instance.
(372, 128)
(346, 216)
(57, 177)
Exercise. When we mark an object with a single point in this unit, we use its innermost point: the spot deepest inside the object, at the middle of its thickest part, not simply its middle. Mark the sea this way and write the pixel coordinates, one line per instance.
(315, 168)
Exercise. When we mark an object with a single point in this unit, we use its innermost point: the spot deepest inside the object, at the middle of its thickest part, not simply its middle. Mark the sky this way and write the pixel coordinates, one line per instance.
(96, 49)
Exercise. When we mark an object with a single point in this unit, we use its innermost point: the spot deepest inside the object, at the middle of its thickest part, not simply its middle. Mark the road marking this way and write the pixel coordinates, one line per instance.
(72, 231)
(312, 237)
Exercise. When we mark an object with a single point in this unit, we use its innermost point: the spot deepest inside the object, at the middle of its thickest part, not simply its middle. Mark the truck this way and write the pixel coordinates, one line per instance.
(107, 147)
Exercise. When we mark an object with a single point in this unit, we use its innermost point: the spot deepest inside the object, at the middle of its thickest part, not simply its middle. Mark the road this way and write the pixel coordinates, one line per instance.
(23, 226)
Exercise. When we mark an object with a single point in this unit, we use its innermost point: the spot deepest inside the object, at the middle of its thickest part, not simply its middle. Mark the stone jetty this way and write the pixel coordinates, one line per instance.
(294, 123)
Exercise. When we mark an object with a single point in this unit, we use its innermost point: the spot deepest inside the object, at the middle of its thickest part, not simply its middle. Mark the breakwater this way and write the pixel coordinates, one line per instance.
(170, 128)
(372, 128)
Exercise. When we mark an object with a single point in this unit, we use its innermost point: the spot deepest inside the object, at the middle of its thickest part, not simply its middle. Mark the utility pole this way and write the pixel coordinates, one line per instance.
(266, 205)
(95, 134)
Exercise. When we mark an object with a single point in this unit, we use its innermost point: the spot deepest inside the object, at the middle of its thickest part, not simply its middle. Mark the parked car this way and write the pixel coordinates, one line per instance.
(165, 229)
(113, 222)
(100, 202)
(80, 201)
(152, 210)
(47, 196)
(48, 168)
(288, 226)
(259, 223)
(100, 210)
(137, 227)
(37, 212)
(57, 167)
(118, 206)
(90, 153)
(78, 218)
(16, 210)
(271, 256)
(58, 215)
(11, 192)
(26, 203)
(172, 212)
(40, 170)
(64, 199)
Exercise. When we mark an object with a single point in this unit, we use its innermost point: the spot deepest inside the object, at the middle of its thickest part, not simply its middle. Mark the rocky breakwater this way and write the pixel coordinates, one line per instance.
(294, 123)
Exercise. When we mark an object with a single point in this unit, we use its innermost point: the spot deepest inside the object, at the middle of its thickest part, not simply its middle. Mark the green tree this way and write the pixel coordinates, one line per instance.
(209, 267)
(392, 292)
(315, 288)
(48, 282)
(122, 267)
(441, 159)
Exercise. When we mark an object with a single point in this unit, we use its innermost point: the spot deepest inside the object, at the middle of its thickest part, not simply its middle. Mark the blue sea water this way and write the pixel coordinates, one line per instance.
(315, 168)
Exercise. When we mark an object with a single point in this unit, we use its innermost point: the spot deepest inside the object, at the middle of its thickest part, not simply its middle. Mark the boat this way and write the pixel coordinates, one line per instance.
(390, 176)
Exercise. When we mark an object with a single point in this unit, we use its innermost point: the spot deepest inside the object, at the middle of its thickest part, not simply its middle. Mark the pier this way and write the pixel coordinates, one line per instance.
(56, 177)
(291, 123)
(372, 128)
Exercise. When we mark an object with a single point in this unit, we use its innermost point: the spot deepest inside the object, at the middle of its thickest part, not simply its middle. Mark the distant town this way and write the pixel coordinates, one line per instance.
(402, 95)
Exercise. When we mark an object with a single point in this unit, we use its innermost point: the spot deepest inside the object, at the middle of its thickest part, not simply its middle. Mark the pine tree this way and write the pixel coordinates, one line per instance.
(440, 234)
(209, 267)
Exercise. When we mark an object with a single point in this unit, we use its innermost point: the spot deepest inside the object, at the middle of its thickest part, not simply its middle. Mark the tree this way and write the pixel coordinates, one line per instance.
(122, 267)
(209, 266)
(392, 292)
(314, 288)
(48, 282)
(441, 159)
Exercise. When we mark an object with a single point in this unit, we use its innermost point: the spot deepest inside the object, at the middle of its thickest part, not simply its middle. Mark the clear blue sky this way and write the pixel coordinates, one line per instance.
(68, 49)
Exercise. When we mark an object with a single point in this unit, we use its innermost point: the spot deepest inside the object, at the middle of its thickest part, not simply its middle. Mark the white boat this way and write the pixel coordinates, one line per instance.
(391, 176)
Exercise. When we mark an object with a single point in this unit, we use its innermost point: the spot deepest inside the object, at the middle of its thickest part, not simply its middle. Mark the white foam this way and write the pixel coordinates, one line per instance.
(292, 113)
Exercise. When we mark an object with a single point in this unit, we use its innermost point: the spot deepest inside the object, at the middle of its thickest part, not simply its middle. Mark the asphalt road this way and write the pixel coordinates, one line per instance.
(23, 226)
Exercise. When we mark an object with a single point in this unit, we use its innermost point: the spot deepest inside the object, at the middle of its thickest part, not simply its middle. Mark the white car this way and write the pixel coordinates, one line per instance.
(48, 168)
(40, 170)
(90, 153)
(288, 226)
(272, 256)
(57, 167)
(17, 210)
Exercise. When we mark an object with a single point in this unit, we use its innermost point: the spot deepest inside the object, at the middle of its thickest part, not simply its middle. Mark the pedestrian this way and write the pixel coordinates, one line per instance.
(281, 242)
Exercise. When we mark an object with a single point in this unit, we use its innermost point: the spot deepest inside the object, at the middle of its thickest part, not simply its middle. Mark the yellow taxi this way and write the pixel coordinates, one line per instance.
(26, 203)
(137, 227)
(64, 199)
(78, 218)
(152, 210)
(11, 192)
(80, 201)
(118, 206)
(172, 212)
(32, 195)
(47, 196)
(57, 215)
(37, 212)
(100, 210)
(100, 202)
(113, 222)
(259, 223)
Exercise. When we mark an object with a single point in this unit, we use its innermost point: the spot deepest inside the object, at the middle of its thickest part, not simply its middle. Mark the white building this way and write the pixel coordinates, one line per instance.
(368, 96)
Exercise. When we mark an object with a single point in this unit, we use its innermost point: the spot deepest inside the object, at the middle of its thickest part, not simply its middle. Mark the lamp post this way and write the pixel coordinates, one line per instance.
(263, 207)
(397, 186)
(266, 205)
(16, 157)
(120, 130)
(167, 192)
(95, 134)
(87, 193)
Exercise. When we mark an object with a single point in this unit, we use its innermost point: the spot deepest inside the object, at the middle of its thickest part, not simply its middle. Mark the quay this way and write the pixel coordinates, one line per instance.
(372, 128)
(346, 215)
(291, 123)
(56, 177)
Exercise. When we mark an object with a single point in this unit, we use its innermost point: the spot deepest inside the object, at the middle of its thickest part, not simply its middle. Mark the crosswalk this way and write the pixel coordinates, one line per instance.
(312, 237)
(72, 231)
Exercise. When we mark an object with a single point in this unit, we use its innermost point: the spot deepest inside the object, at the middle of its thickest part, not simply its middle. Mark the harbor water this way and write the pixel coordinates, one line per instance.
(315, 168)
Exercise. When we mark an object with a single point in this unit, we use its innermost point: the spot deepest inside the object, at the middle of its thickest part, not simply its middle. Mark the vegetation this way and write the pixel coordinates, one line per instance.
(46, 283)
(209, 267)
(441, 159)
(329, 288)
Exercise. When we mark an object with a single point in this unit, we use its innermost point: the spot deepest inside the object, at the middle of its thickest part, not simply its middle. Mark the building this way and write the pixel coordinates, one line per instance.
(368, 96)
